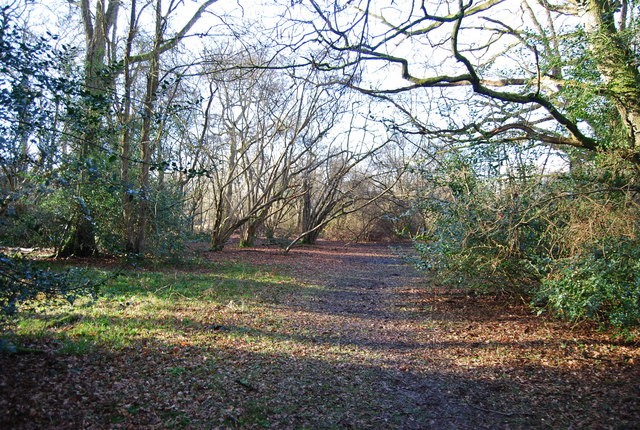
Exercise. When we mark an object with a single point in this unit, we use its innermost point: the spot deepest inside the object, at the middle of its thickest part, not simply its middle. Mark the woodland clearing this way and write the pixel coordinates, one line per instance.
(334, 335)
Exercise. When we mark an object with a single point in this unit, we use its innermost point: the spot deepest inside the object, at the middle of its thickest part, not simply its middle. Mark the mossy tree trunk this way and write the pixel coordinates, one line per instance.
(97, 25)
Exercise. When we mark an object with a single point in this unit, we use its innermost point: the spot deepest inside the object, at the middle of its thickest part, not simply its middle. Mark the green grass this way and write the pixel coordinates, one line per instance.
(76, 347)
(155, 302)
(223, 282)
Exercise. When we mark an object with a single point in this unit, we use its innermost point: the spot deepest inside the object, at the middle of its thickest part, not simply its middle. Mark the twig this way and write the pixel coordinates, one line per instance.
(584, 357)
(506, 414)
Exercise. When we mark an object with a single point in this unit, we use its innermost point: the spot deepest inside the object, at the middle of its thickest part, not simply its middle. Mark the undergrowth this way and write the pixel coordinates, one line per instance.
(567, 242)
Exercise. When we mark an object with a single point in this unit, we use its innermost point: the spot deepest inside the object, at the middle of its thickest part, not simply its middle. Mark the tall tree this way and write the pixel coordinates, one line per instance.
(105, 61)
(98, 23)
(161, 44)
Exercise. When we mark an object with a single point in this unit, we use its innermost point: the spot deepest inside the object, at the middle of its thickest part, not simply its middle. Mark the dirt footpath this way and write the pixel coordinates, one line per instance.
(332, 336)
(437, 358)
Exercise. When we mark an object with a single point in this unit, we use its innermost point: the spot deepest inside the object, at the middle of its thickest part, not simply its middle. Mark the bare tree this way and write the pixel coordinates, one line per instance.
(506, 70)
(255, 123)
(334, 177)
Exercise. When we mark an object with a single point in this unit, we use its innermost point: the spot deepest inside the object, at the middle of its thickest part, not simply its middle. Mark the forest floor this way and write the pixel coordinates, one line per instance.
(343, 336)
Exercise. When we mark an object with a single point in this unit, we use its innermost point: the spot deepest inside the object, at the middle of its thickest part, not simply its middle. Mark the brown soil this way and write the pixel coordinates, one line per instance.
(370, 344)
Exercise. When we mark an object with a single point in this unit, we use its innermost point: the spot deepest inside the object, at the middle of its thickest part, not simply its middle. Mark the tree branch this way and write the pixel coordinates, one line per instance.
(582, 140)
(175, 39)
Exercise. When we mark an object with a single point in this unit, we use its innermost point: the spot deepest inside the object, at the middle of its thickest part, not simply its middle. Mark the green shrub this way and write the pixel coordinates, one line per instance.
(476, 236)
(603, 284)
(567, 241)
(22, 282)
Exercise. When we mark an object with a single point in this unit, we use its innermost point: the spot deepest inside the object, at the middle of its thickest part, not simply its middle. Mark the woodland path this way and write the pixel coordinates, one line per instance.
(365, 308)
(333, 336)
(419, 356)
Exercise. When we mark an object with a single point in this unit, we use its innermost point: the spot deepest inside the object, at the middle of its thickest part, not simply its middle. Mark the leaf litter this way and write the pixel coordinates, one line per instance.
(357, 340)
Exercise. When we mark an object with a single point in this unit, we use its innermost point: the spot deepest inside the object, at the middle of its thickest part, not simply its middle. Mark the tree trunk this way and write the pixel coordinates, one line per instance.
(304, 221)
(82, 240)
(248, 235)
(618, 66)
(125, 144)
(218, 240)
(312, 237)
(145, 135)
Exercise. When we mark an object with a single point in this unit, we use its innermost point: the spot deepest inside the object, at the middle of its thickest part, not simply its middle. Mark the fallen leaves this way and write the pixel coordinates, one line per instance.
(360, 342)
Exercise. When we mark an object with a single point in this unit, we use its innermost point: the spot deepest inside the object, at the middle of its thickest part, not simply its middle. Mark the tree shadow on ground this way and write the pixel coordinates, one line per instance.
(364, 352)
(245, 377)
(162, 385)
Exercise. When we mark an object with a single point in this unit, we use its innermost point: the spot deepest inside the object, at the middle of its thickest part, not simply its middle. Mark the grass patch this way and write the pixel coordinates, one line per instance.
(215, 282)
(162, 303)
(80, 346)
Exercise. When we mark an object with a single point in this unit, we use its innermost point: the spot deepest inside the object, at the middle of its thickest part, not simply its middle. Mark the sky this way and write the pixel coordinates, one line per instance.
(429, 55)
